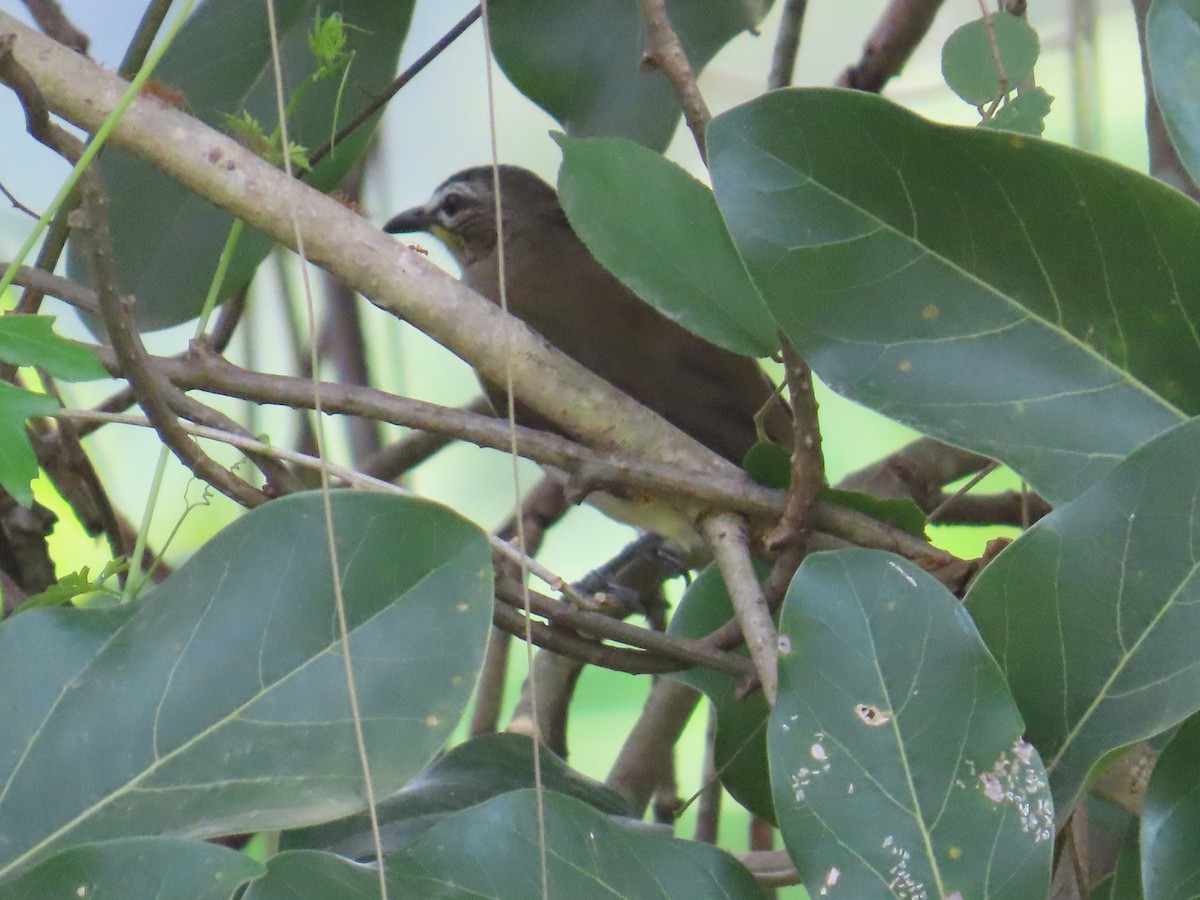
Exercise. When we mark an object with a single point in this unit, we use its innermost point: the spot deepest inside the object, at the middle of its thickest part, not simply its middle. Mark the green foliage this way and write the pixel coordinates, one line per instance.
(896, 750)
(691, 274)
(1171, 818)
(1091, 612)
(217, 702)
(1019, 298)
(31, 341)
(166, 240)
(1025, 113)
(1173, 45)
(74, 585)
(137, 867)
(592, 857)
(986, 59)
(894, 252)
(579, 60)
(740, 751)
(18, 464)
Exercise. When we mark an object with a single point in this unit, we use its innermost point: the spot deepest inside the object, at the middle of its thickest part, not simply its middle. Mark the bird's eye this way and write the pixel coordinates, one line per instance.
(452, 204)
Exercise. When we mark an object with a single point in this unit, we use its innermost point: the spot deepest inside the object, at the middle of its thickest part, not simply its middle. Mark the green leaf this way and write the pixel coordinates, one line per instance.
(491, 851)
(137, 867)
(1092, 612)
(659, 231)
(969, 57)
(579, 60)
(769, 465)
(1171, 818)
(70, 586)
(166, 240)
(217, 703)
(1025, 114)
(466, 775)
(740, 750)
(30, 341)
(901, 512)
(1173, 47)
(896, 752)
(1009, 295)
(18, 464)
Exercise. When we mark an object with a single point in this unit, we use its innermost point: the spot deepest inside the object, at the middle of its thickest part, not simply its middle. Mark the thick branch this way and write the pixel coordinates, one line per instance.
(389, 274)
(901, 27)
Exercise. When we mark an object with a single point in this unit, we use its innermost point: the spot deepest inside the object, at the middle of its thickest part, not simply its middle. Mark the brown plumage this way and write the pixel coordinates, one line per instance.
(557, 288)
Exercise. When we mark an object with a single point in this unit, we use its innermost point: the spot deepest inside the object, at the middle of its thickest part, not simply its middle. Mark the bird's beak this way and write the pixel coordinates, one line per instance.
(419, 218)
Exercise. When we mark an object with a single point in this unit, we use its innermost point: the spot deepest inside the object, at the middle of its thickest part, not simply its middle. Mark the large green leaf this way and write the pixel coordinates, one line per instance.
(218, 702)
(170, 868)
(465, 776)
(18, 463)
(897, 761)
(579, 60)
(1093, 612)
(166, 240)
(658, 229)
(740, 749)
(1173, 46)
(1170, 834)
(491, 851)
(1010, 295)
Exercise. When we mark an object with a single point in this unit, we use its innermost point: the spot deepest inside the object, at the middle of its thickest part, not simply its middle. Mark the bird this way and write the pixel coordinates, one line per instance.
(557, 288)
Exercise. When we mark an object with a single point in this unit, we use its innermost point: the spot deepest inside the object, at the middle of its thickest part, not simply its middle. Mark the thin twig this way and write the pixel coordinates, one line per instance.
(131, 353)
(808, 460)
(664, 51)
(787, 44)
(726, 535)
(17, 204)
(404, 78)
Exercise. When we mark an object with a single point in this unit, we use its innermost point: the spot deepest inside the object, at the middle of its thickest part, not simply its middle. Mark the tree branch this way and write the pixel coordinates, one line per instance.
(664, 51)
(901, 27)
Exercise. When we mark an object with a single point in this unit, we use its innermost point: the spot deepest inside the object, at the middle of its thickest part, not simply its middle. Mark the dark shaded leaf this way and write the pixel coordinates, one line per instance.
(587, 856)
(579, 60)
(897, 761)
(1092, 612)
(137, 867)
(740, 750)
(1009, 295)
(467, 775)
(1173, 46)
(1171, 818)
(217, 703)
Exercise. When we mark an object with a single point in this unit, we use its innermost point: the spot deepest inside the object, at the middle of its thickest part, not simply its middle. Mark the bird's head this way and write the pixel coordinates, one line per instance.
(462, 211)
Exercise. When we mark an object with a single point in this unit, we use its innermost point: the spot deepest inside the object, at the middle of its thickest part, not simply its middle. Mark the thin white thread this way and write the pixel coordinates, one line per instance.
(319, 431)
(516, 475)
